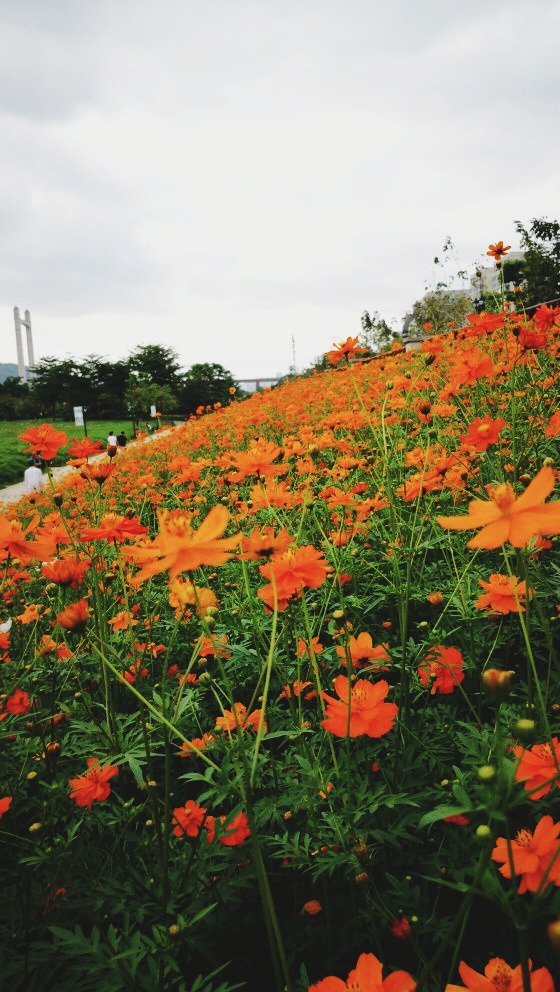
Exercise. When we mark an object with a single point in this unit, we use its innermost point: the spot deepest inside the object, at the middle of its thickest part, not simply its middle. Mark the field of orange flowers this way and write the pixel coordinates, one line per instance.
(280, 690)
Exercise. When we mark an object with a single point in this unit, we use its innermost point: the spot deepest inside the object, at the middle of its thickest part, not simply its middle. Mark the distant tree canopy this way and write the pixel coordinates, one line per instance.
(376, 334)
(440, 309)
(150, 376)
(206, 384)
(541, 265)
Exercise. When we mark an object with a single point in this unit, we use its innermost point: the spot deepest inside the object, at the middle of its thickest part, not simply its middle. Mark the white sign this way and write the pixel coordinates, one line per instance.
(153, 410)
(79, 416)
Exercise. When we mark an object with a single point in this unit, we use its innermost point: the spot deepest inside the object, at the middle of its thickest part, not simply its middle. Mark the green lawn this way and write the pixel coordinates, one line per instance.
(13, 456)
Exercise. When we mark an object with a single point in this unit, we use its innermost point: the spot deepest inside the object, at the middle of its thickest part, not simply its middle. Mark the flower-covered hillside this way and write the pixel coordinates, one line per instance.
(280, 689)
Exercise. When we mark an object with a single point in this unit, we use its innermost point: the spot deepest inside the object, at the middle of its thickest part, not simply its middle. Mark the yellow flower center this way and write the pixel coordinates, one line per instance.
(524, 838)
(504, 496)
(500, 974)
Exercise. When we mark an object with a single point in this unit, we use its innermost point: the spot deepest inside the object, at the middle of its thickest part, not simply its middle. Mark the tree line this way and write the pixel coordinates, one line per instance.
(150, 376)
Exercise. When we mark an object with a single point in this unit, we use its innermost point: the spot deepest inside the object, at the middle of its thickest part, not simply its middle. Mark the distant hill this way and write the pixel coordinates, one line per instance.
(7, 369)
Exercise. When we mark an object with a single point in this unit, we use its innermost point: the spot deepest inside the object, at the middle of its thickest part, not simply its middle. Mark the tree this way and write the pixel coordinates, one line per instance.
(141, 394)
(16, 401)
(541, 271)
(376, 334)
(205, 384)
(160, 364)
(440, 309)
(56, 386)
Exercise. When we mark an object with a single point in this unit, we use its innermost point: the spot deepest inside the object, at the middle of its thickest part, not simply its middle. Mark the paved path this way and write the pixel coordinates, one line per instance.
(11, 494)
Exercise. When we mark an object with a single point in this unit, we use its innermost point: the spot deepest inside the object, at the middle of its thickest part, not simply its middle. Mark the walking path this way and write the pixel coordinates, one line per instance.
(11, 494)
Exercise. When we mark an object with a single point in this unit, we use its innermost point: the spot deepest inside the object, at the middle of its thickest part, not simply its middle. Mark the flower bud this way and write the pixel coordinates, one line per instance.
(483, 835)
(525, 731)
(553, 931)
(486, 773)
(361, 851)
(496, 683)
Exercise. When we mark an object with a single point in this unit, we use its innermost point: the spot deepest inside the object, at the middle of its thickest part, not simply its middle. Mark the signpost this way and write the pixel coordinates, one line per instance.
(80, 417)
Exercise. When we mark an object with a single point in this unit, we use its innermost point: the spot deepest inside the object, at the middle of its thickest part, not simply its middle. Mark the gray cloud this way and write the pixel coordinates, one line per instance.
(256, 157)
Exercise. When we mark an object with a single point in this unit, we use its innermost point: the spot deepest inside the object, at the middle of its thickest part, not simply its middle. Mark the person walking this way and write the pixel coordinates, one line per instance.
(121, 439)
(112, 439)
(33, 478)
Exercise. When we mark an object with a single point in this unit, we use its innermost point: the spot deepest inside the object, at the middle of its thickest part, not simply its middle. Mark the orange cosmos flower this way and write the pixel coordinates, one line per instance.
(538, 768)
(113, 527)
(400, 928)
(367, 977)
(264, 544)
(441, 669)
(361, 649)
(44, 440)
(257, 460)
(345, 349)
(531, 339)
(238, 718)
(179, 548)
(499, 977)
(188, 819)
(360, 709)
(13, 541)
(5, 804)
(214, 647)
(191, 748)
(122, 621)
(98, 472)
(94, 785)
(546, 317)
(534, 856)
(31, 614)
(65, 572)
(74, 616)
(84, 447)
(498, 250)
(237, 830)
(292, 571)
(469, 366)
(183, 593)
(553, 427)
(306, 649)
(311, 908)
(294, 690)
(481, 433)
(504, 594)
(506, 517)
(435, 598)
(18, 703)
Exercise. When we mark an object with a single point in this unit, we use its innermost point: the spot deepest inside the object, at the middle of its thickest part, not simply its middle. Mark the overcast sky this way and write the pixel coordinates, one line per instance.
(241, 179)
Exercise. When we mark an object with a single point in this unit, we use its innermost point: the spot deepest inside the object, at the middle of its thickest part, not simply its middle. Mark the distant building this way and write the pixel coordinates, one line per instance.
(487, 278)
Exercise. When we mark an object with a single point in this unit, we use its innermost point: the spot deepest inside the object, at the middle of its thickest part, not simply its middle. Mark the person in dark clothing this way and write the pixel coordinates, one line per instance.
(121, 439)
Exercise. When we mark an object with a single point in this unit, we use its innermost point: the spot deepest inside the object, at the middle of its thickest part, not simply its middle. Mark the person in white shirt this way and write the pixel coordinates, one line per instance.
(33, 478)
(112, 440)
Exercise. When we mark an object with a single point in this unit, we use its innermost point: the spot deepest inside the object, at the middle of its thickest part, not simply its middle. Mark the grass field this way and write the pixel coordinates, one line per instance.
(13, 456)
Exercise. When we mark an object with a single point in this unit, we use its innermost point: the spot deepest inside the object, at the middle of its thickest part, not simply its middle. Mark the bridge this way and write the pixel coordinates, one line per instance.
(253, 385)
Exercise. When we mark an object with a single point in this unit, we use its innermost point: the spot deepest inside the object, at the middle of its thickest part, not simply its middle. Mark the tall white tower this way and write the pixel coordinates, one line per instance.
(19, 323)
